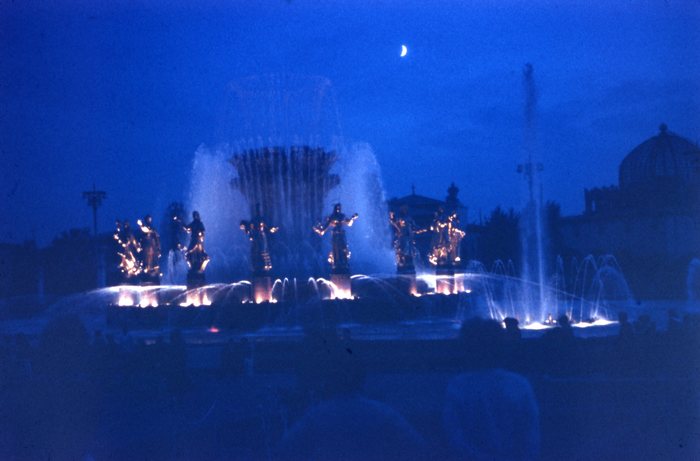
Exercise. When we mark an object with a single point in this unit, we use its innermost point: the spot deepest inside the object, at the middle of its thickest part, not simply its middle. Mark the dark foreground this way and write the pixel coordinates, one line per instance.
(327, 396)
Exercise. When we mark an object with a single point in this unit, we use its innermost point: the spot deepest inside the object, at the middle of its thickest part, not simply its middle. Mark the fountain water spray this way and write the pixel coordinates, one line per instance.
(531, 221)
(284, 152)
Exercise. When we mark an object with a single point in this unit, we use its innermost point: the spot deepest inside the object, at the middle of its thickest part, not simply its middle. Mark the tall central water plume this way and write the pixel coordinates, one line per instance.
(531, 222)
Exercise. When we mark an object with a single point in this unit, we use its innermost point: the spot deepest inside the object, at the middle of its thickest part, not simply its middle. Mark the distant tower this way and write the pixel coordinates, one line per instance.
(94, 200)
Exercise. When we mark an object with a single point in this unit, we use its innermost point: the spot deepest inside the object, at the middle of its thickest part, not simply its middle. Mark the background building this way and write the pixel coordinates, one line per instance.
(650, 221)
(422, 209)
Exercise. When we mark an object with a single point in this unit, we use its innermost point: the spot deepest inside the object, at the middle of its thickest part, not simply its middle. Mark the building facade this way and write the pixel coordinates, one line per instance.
(650, 220)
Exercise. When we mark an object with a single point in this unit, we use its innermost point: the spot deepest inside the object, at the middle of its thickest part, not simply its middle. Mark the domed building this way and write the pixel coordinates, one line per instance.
(651, 220)
(661, 175)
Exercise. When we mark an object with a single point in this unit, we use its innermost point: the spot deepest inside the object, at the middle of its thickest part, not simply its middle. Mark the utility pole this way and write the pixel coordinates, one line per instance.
(94, 200)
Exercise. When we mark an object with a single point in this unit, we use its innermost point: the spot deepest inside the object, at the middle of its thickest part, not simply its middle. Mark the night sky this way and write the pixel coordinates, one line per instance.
(123, 93)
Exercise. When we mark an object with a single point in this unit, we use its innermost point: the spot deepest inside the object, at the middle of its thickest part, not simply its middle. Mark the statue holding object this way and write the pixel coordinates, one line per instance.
(446, 240)
(339, 257)
(197, 258)
(455, 236)
(149, 242)
(258, 231)
(404, 240)
(440, 241)
(129, 264)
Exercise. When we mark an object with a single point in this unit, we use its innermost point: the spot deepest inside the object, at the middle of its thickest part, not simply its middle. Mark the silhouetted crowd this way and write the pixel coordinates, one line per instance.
(72, 396)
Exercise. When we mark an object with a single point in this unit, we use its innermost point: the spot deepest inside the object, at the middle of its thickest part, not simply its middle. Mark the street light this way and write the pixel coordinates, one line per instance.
(94, 200)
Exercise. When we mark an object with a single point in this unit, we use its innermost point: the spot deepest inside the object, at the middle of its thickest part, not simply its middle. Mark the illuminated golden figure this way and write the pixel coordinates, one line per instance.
(197, 258)
(446, 240)
(150, 248)
(129, 264)
(455, 236)
(339, 257)
(257, 231)
(404, 239)
(440, 242)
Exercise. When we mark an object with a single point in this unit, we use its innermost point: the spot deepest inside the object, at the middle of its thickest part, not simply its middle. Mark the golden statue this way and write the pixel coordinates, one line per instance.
(150, 247)
(455, 236)
(257, 231)
(446, 240)
(404, 239)
(440, 241)
(339, 257)
(129, 265)
(197, 258)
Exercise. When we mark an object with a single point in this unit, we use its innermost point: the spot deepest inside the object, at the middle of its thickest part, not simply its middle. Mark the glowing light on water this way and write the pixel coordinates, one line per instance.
(213, 330)
(148, 299)
(341, 294)
(595, 323)
(537, 326)
(429, 279)
(125, 299)
(143, 296)
(196, 297)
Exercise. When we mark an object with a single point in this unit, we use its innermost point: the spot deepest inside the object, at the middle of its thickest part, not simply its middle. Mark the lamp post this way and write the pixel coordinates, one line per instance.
(94, 200)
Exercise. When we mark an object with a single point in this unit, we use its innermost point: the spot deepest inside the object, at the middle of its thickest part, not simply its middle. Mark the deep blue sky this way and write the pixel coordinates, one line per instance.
(123, 93)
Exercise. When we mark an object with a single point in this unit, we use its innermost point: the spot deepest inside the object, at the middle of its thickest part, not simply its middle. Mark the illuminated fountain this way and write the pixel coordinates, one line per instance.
(267, 182)
(586, 291)
(531, 220)
(288, 186)
(281, 149)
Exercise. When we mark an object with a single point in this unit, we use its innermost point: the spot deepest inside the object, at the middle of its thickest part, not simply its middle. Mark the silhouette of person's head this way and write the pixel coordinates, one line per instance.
(492, 415)
(195, 215)
(352, 428)
(563, 321)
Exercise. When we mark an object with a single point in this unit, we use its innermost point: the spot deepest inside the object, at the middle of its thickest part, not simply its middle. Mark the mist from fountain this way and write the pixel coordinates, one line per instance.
(283, 151)
(222, 208)
(583, 291)
(361, 191)
(532, 235)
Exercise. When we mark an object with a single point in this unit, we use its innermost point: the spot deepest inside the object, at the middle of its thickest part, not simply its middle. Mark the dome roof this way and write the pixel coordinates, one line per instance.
(665, 155)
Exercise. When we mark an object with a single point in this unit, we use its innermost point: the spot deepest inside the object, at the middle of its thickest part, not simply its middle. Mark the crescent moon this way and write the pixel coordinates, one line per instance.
(404, 51)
